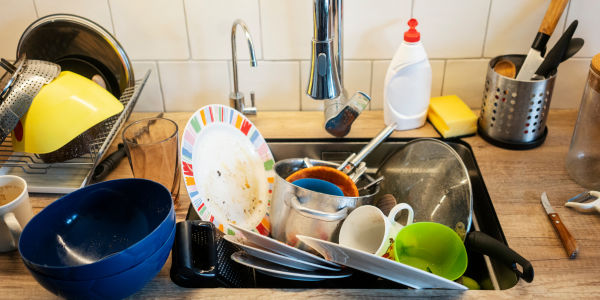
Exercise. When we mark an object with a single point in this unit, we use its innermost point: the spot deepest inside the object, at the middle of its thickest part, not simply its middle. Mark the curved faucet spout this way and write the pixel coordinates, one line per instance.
(234, 50)
(236, 99)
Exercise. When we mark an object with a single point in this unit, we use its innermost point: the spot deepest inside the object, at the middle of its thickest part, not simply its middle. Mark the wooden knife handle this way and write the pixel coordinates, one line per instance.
(565, 236)
(552, 16)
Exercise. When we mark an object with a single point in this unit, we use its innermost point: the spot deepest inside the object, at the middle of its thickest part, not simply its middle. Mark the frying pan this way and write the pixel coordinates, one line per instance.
(430, 176)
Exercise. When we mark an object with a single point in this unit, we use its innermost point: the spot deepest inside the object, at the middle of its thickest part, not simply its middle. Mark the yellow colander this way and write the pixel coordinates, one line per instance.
(62, 110)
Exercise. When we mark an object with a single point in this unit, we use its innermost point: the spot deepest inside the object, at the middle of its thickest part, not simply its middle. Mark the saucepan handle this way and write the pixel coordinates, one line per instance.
(316, 214)
(487, 245)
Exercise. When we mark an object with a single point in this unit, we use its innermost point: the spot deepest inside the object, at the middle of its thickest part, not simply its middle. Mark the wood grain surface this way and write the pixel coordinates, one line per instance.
(553, 14)
(565, 236)
(515, 181)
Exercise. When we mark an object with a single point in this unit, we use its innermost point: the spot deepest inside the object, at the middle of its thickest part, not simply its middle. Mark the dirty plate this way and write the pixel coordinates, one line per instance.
(283, 249)
(276, 270)
(228, 169)
(380, 266)
(268, 255)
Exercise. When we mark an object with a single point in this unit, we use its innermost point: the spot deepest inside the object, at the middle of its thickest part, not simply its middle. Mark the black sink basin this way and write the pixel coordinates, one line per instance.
(487, 272)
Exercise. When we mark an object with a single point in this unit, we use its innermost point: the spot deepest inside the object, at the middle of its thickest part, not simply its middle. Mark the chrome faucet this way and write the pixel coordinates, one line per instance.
(236, 99)
(326, 73)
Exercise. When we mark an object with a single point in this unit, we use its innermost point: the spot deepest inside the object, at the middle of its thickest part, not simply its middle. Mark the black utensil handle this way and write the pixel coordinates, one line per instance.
(487, 245)
(109, 163)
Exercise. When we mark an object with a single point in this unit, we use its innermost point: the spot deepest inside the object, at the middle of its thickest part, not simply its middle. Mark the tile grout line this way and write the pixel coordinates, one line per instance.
(37, 15)
(112, 22)
(443, 77)
(567, 17)
(162, 94)
(487, 26)
(187, 31)
(412, 8)
(262, 46)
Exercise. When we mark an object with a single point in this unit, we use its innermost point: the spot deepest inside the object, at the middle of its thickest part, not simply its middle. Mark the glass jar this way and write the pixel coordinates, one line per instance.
(583, 159)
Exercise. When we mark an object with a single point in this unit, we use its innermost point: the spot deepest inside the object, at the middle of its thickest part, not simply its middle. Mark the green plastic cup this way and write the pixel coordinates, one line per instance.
(433, 248)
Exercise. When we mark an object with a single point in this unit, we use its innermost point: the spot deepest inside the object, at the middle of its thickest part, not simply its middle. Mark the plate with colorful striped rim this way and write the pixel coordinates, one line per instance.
(228, 169)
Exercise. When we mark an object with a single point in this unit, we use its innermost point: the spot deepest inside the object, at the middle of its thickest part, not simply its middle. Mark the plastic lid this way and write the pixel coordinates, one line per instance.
(412, 35)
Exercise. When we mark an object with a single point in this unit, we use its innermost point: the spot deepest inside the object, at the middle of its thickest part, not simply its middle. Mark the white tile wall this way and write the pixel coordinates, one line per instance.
(286, 29)
(189, 85)
(586, 12)
(371, 32)
(275, 83)
(209, 23)
(151, 98)
(95, 10)
(357, 77)
(513, 25)
(151, 29)
(380, 69)
(452, 28)
(466, 79)
(15, 16)
(186, 44)
(570, 83)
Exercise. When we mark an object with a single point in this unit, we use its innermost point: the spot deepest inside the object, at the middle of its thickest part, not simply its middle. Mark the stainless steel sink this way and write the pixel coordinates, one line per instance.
(487, 272)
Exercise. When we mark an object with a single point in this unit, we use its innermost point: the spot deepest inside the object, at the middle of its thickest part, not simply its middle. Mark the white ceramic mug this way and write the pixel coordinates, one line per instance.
(15, 214)
(369, 230)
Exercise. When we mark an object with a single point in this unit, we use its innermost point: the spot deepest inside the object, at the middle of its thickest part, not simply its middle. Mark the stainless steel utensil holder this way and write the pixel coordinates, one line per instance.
(30, 165)
(514, 112)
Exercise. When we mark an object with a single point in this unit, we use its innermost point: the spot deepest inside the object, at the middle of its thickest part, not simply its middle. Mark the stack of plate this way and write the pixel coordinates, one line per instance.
(277, 259)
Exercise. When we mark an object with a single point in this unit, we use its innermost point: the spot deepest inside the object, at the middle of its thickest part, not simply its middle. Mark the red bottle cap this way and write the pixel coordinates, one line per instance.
(412, 35)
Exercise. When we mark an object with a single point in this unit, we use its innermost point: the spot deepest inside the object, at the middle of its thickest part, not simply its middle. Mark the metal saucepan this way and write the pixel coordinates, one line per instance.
(342, 176)
(431, 177)
(295, 210)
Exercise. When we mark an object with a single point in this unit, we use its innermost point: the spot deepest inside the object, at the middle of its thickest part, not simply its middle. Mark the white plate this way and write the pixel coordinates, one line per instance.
(379, 266)
(281, 248)
(228, 169)
(276, 270)
(273, 257)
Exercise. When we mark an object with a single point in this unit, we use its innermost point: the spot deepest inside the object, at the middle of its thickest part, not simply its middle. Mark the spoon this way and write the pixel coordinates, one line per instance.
(506, 68)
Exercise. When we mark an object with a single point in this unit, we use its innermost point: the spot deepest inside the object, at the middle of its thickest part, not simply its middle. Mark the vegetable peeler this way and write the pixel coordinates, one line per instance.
(581, 200)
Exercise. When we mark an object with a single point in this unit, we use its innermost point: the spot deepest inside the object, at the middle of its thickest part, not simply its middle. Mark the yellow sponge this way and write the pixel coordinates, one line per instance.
(451, 116)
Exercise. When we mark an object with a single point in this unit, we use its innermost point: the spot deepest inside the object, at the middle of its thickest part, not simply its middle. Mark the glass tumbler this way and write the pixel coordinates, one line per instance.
(152, 147)
(583, 159)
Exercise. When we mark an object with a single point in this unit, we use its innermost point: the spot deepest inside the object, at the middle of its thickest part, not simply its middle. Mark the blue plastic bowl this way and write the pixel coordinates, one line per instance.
(320, 186)
(117, 286)
(99, 231)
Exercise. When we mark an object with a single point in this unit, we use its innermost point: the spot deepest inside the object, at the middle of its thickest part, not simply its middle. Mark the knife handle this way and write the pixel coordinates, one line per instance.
(565, 236)
(553, 14)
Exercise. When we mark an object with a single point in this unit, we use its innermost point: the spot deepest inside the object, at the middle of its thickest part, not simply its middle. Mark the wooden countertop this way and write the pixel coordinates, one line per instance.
(515, 181)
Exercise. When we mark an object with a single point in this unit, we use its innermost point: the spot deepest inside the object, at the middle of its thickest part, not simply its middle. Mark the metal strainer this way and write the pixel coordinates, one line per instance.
(20, 84)
(431, 177)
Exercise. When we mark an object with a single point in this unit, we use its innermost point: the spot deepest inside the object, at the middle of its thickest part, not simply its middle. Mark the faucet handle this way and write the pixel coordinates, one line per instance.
(252, 98)
(252, 110)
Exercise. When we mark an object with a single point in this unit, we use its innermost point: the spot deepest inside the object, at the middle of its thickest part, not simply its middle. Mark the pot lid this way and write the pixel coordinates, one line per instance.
(80, 46)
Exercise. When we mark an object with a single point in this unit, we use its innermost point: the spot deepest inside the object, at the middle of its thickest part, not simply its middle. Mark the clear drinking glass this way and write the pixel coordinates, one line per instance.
(583, 159)
(152, 147)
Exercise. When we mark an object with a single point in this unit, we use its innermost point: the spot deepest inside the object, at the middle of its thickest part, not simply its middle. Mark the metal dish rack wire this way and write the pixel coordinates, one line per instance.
(31, 164)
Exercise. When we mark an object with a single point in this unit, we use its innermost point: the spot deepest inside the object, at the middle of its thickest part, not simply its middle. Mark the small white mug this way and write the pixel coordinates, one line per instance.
(369, 230)
(16, 211)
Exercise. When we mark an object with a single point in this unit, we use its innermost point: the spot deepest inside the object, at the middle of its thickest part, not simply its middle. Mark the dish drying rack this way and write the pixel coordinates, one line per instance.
(68, 176)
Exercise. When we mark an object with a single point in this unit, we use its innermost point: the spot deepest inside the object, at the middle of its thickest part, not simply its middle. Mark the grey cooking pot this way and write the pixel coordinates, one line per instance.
(295, 210)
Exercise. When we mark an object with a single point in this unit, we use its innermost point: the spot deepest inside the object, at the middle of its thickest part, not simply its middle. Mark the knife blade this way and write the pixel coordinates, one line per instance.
(534, 58)
(565, 236)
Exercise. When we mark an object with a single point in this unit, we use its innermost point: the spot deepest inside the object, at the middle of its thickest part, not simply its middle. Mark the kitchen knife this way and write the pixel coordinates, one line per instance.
(534, 58)
(565, 237)
(555, 56)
